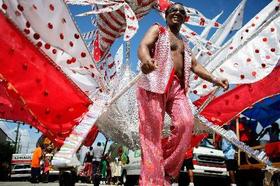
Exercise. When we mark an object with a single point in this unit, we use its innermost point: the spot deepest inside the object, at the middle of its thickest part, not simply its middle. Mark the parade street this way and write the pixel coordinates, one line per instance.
(18, 183)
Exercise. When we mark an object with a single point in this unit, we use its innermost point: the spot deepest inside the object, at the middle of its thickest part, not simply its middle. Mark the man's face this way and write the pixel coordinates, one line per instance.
(176, 15)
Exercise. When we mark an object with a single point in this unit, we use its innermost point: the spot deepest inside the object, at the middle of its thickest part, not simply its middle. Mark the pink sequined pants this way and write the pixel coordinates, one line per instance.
(162, 158)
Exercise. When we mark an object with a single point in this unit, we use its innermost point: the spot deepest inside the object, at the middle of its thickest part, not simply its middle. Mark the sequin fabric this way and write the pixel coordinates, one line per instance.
(162, 158)
(157, 81)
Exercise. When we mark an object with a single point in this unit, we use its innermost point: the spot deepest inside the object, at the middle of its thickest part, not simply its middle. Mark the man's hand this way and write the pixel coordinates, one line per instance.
(221, 83)
(148, 66)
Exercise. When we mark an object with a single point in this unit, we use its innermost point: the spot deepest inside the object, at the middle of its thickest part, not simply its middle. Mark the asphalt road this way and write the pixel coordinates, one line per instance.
(20, 183)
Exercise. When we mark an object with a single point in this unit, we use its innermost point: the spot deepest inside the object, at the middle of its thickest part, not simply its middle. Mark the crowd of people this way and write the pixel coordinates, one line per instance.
(105, 168)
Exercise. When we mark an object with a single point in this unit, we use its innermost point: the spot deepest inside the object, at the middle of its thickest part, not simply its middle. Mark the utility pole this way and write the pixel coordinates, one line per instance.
(17, 135)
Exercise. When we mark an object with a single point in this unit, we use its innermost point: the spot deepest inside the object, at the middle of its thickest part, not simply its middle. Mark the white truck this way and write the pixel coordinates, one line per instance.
(21, 166)
(207, 161)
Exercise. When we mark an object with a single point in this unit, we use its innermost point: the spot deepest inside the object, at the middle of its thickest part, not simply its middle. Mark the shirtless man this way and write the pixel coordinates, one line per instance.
(166, 62)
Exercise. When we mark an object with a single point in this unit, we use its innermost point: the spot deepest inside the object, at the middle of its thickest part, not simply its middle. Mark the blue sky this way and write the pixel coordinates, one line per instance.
(210, 8)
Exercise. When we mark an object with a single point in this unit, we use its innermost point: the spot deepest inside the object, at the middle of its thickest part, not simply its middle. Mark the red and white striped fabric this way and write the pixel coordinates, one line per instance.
(117, 18)
(112, 25)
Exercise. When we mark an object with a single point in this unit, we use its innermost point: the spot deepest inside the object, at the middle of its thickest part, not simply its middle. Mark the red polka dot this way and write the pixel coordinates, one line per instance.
(17, 13)
(91, 66)
(20, 7)
(204, 86)
(54, 51)
(257, 51)
(61, 36)
(26, 31)
(73, 59)
(272, 49)
(253, 24)
(231, 47)
(195, 77)
(267, 57)
(50, 26)
(77, 36)
(263, 65)
(254, 73)
(47, 46)
(92, 75)
(83, 54)
(51, 7)
(36, 36)
(63, 20)
(46, 93)
(71, 44)
(221, 70)
(39, 44)
(68, 61)
(272, 29)
(248, 60)
(265, 39)
(27, 24)
(246, 30)
(195, 91)
(34, 6)
(226, 102)
(47, 111)
(242, 76)
(257, 17)
(4, 6)
(25, 66)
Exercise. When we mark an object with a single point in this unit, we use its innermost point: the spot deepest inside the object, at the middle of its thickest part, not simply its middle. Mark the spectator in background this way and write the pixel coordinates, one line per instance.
(88, 165)
(46, 168)
(104, 165)
(35, 163)
(188, 163)
(229, 153)
(96, 163)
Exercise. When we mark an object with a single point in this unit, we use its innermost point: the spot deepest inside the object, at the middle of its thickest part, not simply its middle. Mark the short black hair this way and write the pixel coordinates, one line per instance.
(167, 11)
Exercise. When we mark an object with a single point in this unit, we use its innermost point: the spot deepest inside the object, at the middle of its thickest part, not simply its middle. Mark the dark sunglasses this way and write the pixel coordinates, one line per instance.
(174, 9)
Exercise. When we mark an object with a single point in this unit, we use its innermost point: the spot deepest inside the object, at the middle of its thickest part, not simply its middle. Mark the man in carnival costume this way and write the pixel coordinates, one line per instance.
(166, 62)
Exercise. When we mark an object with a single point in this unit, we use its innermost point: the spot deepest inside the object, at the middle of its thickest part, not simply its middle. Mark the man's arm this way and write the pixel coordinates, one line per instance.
(147, 43)
(198, 69)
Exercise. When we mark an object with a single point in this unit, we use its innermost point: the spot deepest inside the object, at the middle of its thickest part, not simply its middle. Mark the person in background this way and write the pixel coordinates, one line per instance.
(46, 168)
(188, 163)
(230, 153)
(96, 163)
(88, 166)
(35, 163)
(104, 165)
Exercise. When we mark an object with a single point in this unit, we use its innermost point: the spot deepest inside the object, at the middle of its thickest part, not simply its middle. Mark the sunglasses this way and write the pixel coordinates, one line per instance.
(174, 9)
